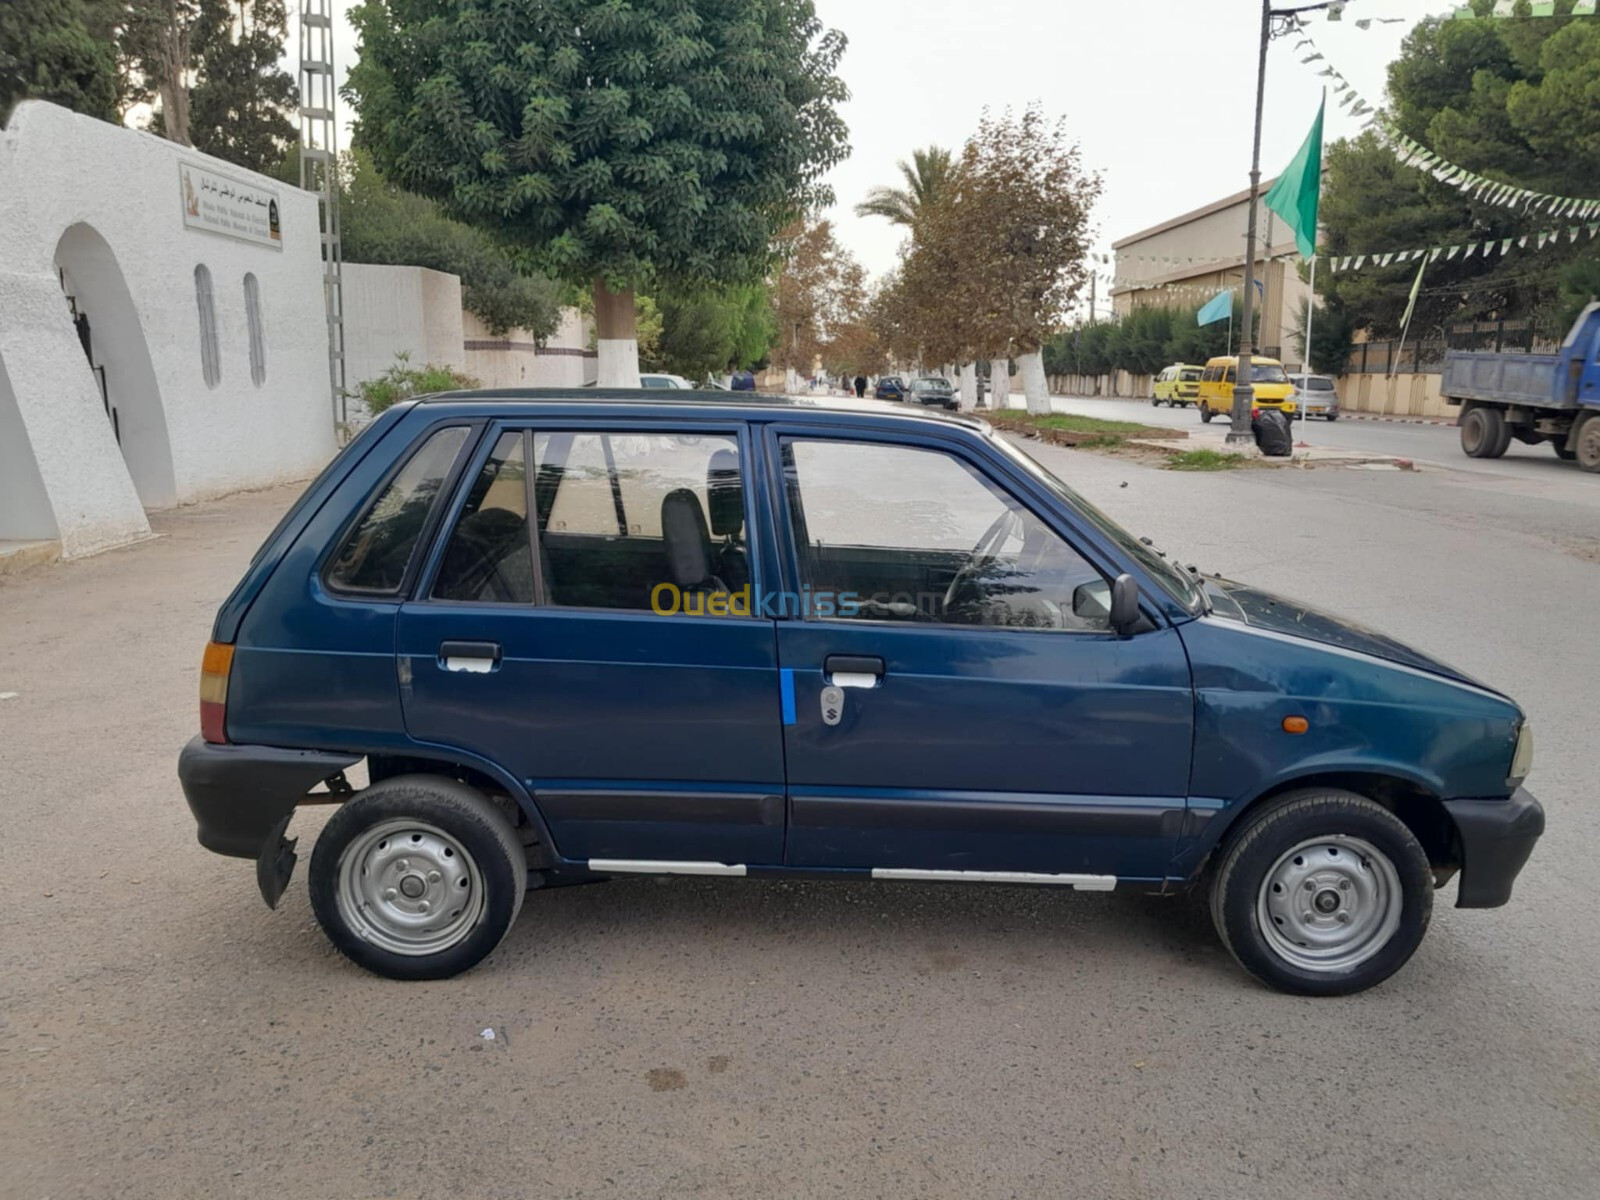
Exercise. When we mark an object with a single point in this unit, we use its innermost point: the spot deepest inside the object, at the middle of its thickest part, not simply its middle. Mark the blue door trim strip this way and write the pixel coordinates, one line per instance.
(786, 677)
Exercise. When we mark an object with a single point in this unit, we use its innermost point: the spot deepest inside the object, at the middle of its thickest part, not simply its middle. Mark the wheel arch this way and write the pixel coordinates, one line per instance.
(1418, 806)
(469, 769)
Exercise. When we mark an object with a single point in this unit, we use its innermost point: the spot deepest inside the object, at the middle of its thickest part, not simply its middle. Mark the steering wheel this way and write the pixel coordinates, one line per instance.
(983, 555)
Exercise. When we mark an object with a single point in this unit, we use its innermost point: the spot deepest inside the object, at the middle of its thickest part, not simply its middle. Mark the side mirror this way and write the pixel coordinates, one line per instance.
(1124, 604)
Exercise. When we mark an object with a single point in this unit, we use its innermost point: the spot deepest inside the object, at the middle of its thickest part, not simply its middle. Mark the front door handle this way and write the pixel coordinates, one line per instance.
(476, 658)
(852, 670)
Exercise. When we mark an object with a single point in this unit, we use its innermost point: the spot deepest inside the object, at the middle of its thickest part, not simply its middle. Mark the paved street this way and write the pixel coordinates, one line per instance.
(1438, 444)
(162, 1034)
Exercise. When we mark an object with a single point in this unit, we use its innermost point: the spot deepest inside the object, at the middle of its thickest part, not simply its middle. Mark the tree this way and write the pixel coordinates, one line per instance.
(240, 103)
(995, 264)
(621, 144)
(709, 330)
(48, 53)
(382, 224)
(155, 38)
(1509, 99)
(818, 290)
(926, 177)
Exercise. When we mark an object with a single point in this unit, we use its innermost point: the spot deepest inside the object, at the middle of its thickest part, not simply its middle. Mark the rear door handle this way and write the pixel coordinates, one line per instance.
(476, 658)
(852, 670)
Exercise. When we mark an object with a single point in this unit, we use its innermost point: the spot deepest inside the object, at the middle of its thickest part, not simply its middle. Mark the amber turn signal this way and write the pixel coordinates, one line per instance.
(1295, 725)
(214, 668)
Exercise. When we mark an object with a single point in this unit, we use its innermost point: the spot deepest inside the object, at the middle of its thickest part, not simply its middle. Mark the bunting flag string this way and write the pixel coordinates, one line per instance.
(1340, 263)
(1413, 154)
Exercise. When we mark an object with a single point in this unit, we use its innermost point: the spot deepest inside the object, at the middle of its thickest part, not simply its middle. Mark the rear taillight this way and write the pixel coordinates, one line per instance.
(214, 668)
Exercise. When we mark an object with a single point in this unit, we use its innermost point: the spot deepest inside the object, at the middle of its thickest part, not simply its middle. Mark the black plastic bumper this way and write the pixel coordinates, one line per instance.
(240, 795)
(1496, 838)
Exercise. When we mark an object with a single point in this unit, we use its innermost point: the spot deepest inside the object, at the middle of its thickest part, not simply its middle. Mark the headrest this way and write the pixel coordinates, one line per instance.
(724, 494)
(683, 529)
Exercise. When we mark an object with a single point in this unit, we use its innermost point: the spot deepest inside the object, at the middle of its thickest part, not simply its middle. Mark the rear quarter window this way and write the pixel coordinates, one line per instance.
(376, 554)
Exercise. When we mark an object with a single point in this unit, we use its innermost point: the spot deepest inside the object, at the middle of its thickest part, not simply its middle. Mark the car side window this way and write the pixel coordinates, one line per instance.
(903, 533)
(641, 520)
(489, 556)
(376, 555)
(1227, 375)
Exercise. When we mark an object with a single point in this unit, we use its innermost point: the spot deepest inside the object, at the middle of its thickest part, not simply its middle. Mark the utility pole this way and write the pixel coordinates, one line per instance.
(1091, 297)
(1273, 20)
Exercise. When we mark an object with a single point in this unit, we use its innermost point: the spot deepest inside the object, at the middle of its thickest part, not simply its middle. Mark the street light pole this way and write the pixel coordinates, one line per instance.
(1244, 394)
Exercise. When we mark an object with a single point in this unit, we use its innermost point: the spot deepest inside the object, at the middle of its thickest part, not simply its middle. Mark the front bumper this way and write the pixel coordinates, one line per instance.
(240, 795)
(1497, 836)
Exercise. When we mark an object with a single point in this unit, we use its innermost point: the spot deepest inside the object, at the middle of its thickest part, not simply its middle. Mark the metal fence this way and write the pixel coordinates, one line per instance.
(1427, 353)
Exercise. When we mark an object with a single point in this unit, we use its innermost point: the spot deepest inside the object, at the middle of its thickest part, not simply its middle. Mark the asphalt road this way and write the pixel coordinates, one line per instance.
(163, 1034)
(1439, 445)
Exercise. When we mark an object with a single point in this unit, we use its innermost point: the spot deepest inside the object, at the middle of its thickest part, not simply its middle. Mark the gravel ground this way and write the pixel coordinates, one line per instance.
(163, 1034)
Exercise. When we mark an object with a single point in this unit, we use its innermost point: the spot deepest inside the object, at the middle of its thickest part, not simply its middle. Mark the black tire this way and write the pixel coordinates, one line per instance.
(1205, 413)
(1155, 401)
(1260, 850)
(1484, 433)
(1333, 416)
(468, 820)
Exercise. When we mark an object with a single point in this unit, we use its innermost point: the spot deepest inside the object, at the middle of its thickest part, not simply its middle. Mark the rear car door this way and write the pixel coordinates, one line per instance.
(645, 734)
(953, 704)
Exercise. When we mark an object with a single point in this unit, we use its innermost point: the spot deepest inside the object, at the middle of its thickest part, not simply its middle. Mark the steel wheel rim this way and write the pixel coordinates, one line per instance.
(410, 888)
(1330, 903)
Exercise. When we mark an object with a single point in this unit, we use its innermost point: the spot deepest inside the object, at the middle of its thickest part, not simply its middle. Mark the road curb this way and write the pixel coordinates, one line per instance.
(1347, 415)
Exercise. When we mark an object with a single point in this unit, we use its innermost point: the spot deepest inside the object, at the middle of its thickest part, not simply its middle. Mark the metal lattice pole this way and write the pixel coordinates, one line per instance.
(319, 173)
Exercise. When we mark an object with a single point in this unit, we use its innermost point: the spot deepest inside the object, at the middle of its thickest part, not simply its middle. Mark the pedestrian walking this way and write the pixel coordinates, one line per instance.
(861, 386)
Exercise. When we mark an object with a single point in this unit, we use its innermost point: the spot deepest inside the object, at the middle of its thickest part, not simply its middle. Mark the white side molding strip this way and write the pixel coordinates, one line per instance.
(1084, 883)
(651, 866)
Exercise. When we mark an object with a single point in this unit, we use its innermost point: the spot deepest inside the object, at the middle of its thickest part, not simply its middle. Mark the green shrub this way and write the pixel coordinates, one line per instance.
(403, 381)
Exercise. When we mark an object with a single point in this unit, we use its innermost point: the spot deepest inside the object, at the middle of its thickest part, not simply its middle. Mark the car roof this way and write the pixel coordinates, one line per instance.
(704, 404)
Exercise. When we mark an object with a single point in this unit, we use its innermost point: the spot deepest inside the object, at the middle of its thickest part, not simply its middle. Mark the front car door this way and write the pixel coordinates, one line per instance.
(955, 701)
(649, 738)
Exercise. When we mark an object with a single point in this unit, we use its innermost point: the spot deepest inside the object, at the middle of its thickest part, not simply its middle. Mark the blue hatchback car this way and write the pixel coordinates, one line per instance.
(571, 638)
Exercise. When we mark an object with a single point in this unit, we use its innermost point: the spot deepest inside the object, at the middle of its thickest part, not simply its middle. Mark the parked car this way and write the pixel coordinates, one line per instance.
(658, 380)
(935, 391)
(1271, 384)
(890, 387)
(1177, 384)
(1316, 395)
(573, 637)
(742, 381)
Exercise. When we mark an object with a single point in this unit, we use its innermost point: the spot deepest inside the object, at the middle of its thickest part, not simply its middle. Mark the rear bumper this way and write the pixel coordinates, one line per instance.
(239, 795)
(1497, 836)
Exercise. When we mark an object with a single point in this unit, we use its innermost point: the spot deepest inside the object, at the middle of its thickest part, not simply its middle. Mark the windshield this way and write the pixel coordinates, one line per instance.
(1188, 376)
(1176, 582)
(1267, 373)
(931, 385)
(1318, 383)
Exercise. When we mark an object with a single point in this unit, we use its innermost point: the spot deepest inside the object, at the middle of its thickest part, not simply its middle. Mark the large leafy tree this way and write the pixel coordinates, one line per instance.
(240, 103)
(622, 143)
(926, 176)
(47, 52)
(1513, 100)
(818, 290)
(383, 224)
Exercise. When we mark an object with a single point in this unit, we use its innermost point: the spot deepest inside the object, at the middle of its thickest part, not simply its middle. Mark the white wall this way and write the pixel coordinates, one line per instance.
(514, 359)
(104, 205)
(390, 311)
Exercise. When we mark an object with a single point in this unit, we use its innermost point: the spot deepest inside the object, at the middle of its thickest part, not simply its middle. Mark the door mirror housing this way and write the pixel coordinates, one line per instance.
(1116, 603)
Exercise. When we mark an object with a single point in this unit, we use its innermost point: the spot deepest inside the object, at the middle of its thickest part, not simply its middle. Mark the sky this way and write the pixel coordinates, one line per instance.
(1159, 93)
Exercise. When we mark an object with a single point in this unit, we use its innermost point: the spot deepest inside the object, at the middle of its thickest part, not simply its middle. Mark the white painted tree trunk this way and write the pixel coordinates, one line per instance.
(969, 386)
(1034, 384)
(616, 338)
(999, 383)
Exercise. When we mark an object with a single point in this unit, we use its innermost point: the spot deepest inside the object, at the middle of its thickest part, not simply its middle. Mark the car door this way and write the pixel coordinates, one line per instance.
(954, 700)
(647, 732)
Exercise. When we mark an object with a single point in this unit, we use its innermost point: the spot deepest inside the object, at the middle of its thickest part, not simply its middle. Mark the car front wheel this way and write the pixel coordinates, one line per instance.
(417, 877)
(1322, 893)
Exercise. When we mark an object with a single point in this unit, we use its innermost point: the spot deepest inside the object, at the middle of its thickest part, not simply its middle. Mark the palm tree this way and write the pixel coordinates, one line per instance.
(926, 176)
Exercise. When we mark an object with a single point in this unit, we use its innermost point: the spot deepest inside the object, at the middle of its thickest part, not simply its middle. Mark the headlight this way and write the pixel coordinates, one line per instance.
(1522, 760)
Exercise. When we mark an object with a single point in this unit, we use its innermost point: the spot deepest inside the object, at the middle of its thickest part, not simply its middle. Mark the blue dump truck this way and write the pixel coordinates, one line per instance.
(1533, 398)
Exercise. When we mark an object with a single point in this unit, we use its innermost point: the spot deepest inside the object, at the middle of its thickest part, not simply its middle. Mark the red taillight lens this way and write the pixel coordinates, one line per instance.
(214, 668)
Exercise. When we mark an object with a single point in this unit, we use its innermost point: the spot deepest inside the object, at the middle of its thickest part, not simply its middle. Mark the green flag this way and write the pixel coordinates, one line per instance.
(1294, 197)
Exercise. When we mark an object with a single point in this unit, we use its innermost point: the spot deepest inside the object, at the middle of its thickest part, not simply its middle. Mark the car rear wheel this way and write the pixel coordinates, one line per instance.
(1205, 413)
(417, 877)
(1588, 448)
(1322, 893)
